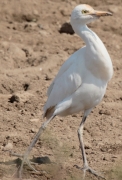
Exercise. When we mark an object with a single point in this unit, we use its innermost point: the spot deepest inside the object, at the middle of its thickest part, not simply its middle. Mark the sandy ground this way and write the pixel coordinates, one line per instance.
(31, 52)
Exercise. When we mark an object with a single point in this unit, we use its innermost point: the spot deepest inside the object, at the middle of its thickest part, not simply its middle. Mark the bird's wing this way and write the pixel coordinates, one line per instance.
(64, 85)
(63, 68)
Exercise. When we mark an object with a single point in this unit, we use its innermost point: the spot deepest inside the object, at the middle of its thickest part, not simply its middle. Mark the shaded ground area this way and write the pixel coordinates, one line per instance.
(31, 52)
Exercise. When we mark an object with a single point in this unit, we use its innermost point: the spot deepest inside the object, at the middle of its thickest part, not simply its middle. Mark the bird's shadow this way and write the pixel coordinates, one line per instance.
(36, 160)
(17, 162)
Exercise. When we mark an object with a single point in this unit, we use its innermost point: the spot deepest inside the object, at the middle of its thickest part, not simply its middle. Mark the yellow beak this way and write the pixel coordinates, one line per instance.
(101, 13)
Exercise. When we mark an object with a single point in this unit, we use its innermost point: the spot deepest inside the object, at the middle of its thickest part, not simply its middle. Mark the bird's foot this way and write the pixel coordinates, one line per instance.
(90, 170)
(24, 160)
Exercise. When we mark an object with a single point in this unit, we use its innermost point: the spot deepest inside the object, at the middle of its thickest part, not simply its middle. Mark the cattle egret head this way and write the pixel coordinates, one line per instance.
(84, 14)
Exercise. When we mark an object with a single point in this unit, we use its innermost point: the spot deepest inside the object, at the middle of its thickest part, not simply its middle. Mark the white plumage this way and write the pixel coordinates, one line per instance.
(81, 81)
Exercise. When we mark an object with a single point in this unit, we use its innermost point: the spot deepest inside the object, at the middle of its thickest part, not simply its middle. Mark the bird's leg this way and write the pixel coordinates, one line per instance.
(25, 156)
(80, 136)
(41, 129)
(85, 163)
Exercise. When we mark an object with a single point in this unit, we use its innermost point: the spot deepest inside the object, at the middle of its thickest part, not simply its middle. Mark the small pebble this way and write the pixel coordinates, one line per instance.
(88, 145)
(113, 9)
(43, 33)
(66, 28)
(33, 130)
(14, 98)
(8, 146)
(104, 112)
(34, 120)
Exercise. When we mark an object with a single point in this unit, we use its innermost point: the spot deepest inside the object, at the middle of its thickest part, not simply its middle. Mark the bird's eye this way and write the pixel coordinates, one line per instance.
(84, 11)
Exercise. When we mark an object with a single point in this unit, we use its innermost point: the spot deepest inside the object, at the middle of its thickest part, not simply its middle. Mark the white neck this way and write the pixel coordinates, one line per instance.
(86, 34)
(96, 53)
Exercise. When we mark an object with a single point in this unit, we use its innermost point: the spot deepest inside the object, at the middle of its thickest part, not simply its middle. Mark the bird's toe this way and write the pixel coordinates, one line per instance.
(90, 170)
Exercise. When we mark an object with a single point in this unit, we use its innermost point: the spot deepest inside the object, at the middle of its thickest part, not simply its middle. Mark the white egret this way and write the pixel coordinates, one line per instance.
(81, 81)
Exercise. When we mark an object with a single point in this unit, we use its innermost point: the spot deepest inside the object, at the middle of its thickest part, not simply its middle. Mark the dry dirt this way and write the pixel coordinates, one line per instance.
(31, 52)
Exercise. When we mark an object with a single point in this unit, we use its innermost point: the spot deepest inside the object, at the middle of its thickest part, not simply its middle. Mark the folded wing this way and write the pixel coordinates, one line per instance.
(63, 86)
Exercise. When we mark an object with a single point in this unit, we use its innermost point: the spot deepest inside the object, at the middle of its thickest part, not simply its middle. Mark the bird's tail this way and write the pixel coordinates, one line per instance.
(49, 112)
